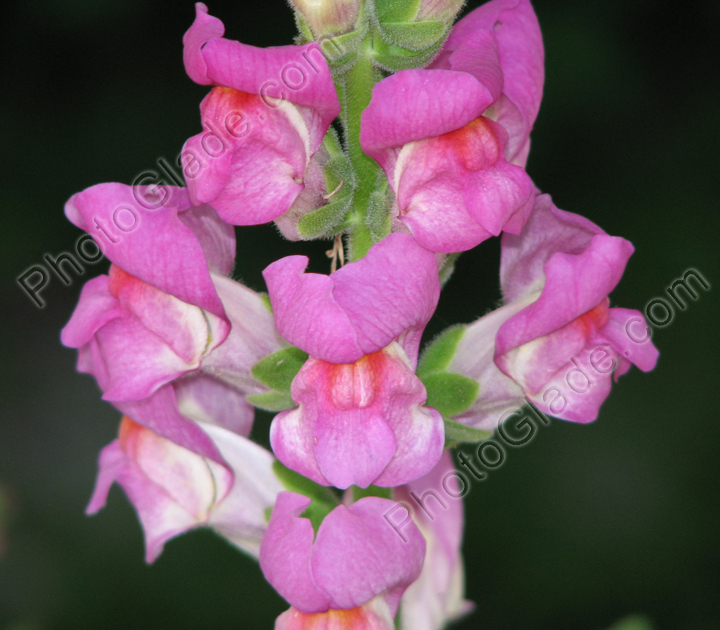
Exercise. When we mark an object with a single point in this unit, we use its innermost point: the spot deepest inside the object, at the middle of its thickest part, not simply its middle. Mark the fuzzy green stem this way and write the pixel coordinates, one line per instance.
(356, 91)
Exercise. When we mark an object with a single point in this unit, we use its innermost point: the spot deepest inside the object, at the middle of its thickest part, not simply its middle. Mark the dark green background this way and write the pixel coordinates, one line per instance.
(582, 526)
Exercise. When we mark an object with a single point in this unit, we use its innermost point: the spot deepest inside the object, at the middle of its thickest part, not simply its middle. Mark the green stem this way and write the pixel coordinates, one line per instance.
(355, 89)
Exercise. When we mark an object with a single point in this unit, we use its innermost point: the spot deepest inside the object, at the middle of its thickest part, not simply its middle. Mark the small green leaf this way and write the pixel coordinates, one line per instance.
(316, 513)
(271, 401)
(295, 482)
(323, 499)
(325, 220)
(396, 10)
(439, 354)
(455, 433)
(395, 58)
(378, 212)
(450, 393)
(415, 36)
(278, 370)
(371, 491)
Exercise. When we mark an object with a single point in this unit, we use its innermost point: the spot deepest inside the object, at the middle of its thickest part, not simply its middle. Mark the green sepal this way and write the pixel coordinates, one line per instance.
(278, 370)
(396, 10)
(324, 221)
(306, 34)
(378, 212)
(439, 354)
(456, 433)
(271, 401)
(416, 36)
(266, 301)
(341, 51)
(451, 394)
(448, 267)
(395, 58)
(371, 491)
(323, 499)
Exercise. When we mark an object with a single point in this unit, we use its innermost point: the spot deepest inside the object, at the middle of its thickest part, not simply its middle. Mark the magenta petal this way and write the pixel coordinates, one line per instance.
(307, 313)
(574, 285)
(394, 289)
(360, 308)
(629, 334)
(95, 308)
(149, 241)
(520, 48)
(298, 74)
(549, 230)
(286, 553)
(358, 554)
(204, 28)
(439, 102)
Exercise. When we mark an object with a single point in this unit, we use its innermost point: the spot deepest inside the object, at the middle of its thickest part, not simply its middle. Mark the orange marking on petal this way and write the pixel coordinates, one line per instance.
(354, 385)
(595, 318)
(476, 144)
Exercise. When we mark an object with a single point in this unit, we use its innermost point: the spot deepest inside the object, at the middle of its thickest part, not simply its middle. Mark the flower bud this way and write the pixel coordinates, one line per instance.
(328, 17)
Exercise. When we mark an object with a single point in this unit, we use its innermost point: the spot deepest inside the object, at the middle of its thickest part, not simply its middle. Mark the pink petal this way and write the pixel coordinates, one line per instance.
(549, 230)
(286, 553)
(574, 285)
(149, 241)
(160, 414)
(629, 334)
(203, 398)
(298, 74)
(417, 104)
(520, 48)
(358, 555)
(360, 308)
(95, 308)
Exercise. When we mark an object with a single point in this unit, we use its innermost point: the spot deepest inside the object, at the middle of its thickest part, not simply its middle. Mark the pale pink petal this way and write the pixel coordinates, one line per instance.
(203, 398)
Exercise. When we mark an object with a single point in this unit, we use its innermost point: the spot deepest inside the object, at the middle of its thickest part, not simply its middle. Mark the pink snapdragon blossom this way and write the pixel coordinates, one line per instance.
(353, 558)
(360, 418)
(436, 597)
(557, 341)
(174, 489)
(262, 123)
(166, 305)
(453, 138)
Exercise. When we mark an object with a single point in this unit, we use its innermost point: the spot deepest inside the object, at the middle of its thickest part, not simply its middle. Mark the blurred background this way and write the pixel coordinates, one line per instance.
(579, 528)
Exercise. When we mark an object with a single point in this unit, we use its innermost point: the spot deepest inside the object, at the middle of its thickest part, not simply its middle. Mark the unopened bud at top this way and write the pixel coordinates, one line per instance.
(328, 17)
